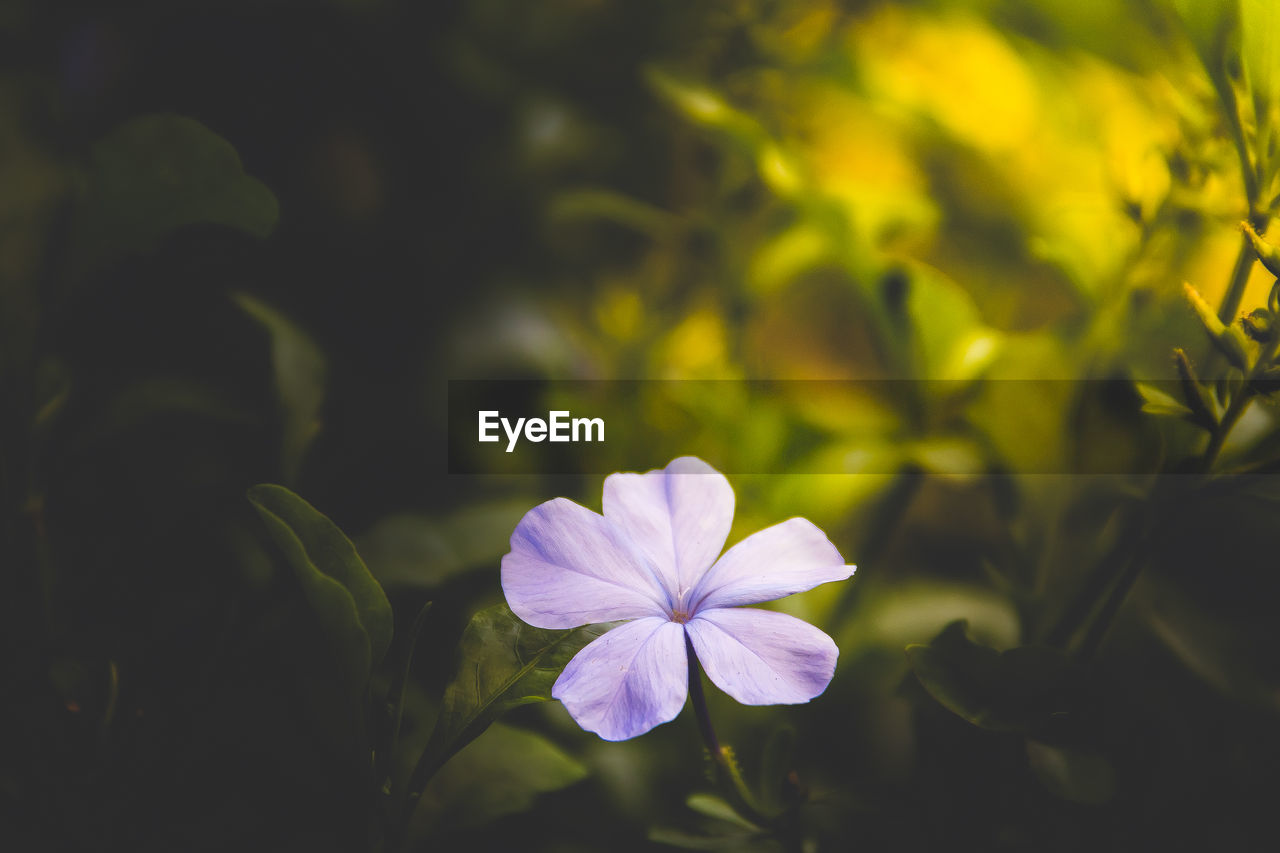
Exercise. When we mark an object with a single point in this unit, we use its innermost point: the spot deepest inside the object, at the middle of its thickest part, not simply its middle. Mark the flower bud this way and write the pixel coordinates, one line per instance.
(1228, 339)
(1267, 253)
(1203, 409)
(1258, 324)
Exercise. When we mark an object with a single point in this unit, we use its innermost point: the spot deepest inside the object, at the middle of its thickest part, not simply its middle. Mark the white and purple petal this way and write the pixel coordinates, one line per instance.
(626, 682)
(679, 516)
(778, 561)
(761, 657)
(569, 566)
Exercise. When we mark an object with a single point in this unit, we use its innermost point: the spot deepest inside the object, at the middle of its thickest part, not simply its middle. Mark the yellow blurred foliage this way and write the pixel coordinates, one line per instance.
(695, 348)
(957, 71)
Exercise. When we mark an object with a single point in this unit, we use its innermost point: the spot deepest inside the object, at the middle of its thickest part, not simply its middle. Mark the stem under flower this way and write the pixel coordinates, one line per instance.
(726, 770)
(699, 700)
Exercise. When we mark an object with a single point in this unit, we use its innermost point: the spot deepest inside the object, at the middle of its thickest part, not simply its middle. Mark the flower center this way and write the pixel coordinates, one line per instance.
(679, 616)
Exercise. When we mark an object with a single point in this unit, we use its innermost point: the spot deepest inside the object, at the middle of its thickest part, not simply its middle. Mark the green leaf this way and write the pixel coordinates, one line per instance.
(160, 397)
(300, 375)
(894, 615)
(1157, 402)
(709, 805)
(949, 339)
(1213, 26)
(957, 457)
(1223, 650)
(1080, 776)
(502, 664)
(157, 173)
(1022, 689)
(707, 108)
(609, 206)
(498, 774)
(421, 551)
(719, 836)
(784, 257)
(1028, 422)
(778, 789)
(396, 699)
(350, 603)
(1260, 55)
(704, 106)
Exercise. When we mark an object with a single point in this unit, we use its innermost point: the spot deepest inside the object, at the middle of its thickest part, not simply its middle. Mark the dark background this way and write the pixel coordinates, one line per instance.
(160, 669)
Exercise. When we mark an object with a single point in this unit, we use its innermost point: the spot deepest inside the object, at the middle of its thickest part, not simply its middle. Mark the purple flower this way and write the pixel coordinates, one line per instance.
(651, 559)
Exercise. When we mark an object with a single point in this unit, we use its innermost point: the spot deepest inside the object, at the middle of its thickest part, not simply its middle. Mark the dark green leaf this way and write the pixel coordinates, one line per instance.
(1260, 55)
(396, 695)
(500, 773)
(502, 663)
(1079, 776)
(141, 401)
(705, 106)
(350, 603)
(778, 788)
(300, 374)
(1218, 649)
(1157, 402)
(609, 206)
(720, 837)
(1214, 29)
(420, 551)
(158, 173)
(949, 339)
(894, 615)
(718, 808)
(1022, 689)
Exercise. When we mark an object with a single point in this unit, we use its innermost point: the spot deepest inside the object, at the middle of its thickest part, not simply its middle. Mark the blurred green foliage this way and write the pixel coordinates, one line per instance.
(246, 243)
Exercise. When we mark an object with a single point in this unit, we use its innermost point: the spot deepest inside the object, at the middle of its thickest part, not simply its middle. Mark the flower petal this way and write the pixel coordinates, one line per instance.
(569, 566)
(761, 657)
(680, 516)
(633, 678)
(780, 560)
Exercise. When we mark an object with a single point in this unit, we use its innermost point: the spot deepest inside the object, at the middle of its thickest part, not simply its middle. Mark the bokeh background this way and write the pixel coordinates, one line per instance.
(246, 242)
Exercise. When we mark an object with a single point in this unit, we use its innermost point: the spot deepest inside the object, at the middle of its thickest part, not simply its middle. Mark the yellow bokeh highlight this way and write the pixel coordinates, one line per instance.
(620, 312)
(956, 70)
(695, 348)
(860, 156)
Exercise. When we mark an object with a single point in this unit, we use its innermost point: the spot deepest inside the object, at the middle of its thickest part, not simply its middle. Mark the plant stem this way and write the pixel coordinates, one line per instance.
(1239, 403)
(1076, 614)
(1252, 190)
(1236, 127)
(699, 701)
(1128, 554)
(1111, 606)
(727, 774)
(395, 697)
(397, 805)
(1239, 278)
